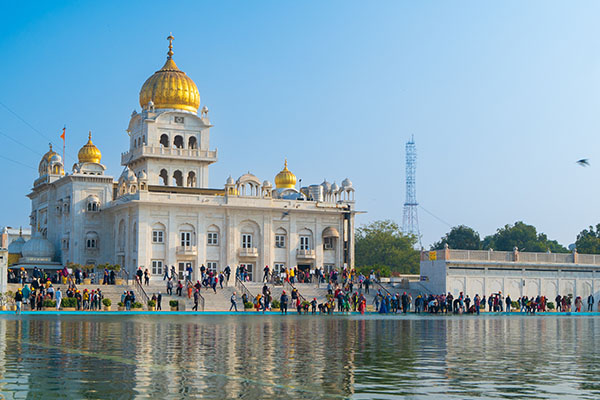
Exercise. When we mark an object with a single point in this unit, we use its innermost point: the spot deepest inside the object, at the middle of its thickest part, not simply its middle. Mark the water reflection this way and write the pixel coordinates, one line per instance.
(298, 357)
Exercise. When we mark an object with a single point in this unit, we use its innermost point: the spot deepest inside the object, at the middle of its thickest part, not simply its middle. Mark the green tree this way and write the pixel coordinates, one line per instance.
(588, 241)
(460, 237)
(522, 236)
(381, 243)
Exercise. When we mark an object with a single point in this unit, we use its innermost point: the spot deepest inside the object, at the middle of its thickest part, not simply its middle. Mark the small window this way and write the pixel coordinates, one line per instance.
(91, 243)
(304, 242)
(186, 239)
(280, 241)
(246, 241)
(213, 239)
(158, 236)
(278, 268)
(328, 243)
(157, 267)
(212, 266)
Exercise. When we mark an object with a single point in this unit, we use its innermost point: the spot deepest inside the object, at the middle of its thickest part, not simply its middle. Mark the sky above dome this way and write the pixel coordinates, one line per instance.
(501, 98)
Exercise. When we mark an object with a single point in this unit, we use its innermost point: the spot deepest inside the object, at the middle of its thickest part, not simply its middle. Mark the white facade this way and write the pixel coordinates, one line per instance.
(161, 212)
(512, 273)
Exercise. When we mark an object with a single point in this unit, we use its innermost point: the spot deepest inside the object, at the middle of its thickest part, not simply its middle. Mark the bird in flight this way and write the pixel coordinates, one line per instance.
(285, 214)
(583, 162)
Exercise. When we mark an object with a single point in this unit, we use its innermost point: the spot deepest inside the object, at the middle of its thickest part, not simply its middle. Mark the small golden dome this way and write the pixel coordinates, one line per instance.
(285, 179)
(89, 152)
(170, 87)
(46, 160)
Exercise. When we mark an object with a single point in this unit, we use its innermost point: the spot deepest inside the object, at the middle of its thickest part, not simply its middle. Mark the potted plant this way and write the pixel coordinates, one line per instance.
(107, 303)
(275, 305)
(2, 302)
(151, 305)
(116, 268)
(248, 305)
(49, 305)
(137, 306)
(174, 304)
(120, 306)
(69, 304)
(550, 305)
(88, 268)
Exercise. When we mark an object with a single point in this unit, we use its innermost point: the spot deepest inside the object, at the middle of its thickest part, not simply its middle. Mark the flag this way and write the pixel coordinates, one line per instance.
(62, 136)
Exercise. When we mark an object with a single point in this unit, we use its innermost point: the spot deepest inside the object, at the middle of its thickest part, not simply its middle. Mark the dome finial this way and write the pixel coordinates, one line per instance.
(285, 163)
(170, 39)
(90, 135)
(50, 145)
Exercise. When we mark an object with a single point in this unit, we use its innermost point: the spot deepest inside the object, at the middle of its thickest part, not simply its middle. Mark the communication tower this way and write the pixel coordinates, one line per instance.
(410, 219)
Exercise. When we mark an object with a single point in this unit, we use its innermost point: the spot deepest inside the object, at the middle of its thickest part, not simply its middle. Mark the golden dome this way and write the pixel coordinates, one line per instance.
(89, 152)
(46, 160)
(170, 88)
(285, 179)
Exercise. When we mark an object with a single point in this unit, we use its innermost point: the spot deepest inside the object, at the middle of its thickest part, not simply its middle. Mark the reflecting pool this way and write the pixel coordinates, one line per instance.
(299, 357)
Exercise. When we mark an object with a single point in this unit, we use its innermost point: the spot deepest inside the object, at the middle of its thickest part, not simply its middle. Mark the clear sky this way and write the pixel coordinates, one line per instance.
(501, 97)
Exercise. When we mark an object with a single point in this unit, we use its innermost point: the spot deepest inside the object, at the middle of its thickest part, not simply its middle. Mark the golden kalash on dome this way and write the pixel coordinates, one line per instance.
(89, 153)
(285, 179)
(170, 88)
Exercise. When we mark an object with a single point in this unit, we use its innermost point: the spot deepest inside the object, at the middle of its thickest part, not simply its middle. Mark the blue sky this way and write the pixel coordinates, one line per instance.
(502, 98)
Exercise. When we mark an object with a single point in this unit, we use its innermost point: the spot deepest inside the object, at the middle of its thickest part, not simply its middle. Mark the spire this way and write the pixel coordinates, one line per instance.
(90, 136)
(170, 39)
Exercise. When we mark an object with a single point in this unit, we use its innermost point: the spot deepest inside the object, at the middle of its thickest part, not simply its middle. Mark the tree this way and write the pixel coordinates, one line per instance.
(460, 237)
(522, 236)
(382, 243)
(588, 241)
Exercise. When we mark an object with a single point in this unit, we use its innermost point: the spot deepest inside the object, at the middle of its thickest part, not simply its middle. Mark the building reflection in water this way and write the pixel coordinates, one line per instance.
(296, 357)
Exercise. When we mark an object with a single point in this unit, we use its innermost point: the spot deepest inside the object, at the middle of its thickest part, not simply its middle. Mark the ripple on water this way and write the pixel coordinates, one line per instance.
(299, 357)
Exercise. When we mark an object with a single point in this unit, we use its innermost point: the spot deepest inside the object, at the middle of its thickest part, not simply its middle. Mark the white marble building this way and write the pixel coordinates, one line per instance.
(513, 273)
(162, 210)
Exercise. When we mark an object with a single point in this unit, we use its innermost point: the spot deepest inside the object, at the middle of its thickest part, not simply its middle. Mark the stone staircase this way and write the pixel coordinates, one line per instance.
(219, 301)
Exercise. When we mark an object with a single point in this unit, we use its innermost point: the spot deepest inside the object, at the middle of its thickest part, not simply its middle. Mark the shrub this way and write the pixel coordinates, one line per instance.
(49, 303)
(137, 304)
(69, 302)
(305, 303)
(550, 305)
(120, 304)
(275, 304)
(380, 270)
(514, 304)
(174, 303)
(151, 303)
(107, 302)
(248, 304)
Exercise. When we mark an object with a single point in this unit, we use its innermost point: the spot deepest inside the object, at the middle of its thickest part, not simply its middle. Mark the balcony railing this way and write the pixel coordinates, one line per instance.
(305, 254)
(187, 250)
(248, 252)
(167, 152)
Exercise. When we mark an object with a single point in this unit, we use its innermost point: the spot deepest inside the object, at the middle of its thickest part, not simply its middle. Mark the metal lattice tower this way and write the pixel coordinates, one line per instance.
(410, 219)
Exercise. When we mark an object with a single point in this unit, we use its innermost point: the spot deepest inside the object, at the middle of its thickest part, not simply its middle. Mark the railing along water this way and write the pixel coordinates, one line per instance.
(242, 288)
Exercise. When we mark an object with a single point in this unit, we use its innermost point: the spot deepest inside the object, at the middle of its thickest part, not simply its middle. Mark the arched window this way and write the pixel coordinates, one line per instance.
(213, 235)
(177, 178)
(280, 238)
(91, 240)
(178, 142)
(93, 204)
(191, 179)
(121, 236)
(187, 235)
(306, 239)
(192, 143)
(164, 140)
(164, 176)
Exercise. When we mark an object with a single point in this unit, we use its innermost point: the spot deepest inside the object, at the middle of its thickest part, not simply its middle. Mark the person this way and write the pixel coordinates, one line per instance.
(196, 298)
(221, 279)
(590, 302)
(128, 301)
(146, 277)
(266, 274)
(179, 288)
(166, 274)
(227, 273)
(233, 302)
(508, 303)
(170, 287)
(362, 303)
(189, 271)
(139, 275)
(58, 297)
(313, 305)
(158, 300)
(283, 302)
(106, 276)
(18, 300)
(477, 303)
